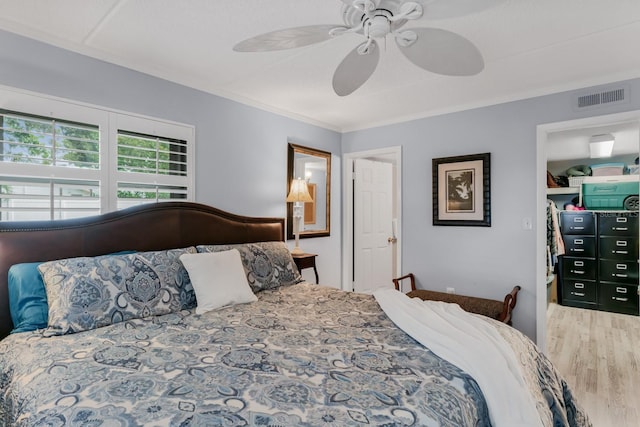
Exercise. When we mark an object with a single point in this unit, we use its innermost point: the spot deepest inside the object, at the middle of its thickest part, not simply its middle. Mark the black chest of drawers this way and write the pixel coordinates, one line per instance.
(578, 267)
(600, 267)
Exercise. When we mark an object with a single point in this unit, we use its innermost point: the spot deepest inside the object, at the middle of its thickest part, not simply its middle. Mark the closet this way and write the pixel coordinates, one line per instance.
(592, 223)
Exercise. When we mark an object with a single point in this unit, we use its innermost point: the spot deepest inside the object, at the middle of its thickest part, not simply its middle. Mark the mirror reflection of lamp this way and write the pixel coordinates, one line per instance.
(298, 195)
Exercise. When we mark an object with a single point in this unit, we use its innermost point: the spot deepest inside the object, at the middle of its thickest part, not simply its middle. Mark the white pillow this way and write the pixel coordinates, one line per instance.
(218, 279)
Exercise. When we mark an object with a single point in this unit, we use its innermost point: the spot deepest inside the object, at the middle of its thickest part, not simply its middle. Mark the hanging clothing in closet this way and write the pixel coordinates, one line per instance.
(555, 245)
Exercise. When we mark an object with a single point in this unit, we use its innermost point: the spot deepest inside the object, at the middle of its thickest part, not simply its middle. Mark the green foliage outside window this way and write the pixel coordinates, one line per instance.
(36, 140)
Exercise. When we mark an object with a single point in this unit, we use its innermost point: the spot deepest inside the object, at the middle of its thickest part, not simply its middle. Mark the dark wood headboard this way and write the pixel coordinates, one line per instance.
(149, 227)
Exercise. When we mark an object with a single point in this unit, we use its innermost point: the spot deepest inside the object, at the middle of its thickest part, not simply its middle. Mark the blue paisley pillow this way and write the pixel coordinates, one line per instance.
(268, 264)
(90, 292)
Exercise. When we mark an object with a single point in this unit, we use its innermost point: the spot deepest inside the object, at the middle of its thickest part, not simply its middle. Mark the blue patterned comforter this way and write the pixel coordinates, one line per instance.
(303, 355)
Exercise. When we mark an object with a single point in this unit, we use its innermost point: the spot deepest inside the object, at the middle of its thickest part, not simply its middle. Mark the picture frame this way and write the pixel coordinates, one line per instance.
(462, 190)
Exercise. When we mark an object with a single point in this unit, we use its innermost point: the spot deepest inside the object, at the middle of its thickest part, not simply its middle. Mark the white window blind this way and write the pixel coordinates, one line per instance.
(31, 199)
(62, 160)
(132, 194)
(30, 139)
(151, 154)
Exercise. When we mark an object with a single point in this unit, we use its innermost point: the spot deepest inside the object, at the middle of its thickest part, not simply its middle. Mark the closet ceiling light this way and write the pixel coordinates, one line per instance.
(601, 146)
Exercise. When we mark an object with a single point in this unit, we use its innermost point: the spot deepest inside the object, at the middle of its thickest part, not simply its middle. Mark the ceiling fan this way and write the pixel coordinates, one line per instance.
(433, 49)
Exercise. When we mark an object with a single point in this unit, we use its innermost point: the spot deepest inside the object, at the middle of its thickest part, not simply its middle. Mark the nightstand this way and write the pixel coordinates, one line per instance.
(306, 261)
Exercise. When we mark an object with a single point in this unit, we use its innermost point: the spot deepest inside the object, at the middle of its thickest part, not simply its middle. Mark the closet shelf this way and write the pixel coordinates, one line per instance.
(563, 190)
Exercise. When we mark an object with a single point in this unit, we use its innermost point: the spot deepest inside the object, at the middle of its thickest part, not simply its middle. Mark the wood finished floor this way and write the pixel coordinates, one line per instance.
(598, 353)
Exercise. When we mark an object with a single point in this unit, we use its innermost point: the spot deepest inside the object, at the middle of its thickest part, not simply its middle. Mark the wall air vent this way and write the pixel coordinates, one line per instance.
(588, 100)
(601, 98)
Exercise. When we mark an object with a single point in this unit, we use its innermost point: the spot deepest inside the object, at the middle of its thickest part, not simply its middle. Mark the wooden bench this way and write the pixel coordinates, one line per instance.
(500, 310)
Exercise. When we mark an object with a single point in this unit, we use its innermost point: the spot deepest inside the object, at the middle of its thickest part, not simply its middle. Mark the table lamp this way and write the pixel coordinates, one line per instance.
(298, 194)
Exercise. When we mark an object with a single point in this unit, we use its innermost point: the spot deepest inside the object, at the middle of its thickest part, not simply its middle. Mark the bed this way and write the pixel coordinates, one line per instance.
(287, 353)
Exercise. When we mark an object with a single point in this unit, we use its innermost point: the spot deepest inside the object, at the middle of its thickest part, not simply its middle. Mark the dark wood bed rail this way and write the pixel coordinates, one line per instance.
(157, 226)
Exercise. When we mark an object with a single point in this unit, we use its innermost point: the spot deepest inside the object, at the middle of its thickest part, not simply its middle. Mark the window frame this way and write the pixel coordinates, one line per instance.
(109, 122)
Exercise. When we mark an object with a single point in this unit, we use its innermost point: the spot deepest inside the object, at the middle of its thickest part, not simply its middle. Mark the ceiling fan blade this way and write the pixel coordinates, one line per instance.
(442, 52)
(442, 9)
(355, 69)
(289, 38)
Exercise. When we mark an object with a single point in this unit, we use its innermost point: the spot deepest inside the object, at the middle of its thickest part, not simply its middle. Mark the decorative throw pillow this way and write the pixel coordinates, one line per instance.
(268, 265)
(90, 292)
(27, 298)
(218, 279)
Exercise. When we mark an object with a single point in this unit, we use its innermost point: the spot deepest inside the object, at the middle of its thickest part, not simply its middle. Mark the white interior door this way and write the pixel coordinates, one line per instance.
(373, 238)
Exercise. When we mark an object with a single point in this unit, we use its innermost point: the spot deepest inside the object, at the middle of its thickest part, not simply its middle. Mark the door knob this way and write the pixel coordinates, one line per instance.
(392, 239)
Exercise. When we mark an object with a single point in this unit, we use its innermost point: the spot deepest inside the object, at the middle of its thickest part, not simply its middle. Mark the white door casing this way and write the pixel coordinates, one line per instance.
(392, 155)
(373, 231)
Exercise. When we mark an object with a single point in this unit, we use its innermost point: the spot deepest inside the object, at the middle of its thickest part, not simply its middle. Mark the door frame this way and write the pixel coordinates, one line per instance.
(392, 155)
(541, 178)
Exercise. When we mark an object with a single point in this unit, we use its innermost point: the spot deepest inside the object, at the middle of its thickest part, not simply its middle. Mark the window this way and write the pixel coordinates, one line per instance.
(151, 154)
(26, 199)
(45, 141)
(60, 160)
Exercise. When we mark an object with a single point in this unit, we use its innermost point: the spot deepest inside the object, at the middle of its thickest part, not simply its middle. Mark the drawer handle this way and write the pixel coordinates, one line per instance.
(620, 252)
(622, 243)
(578, 285)
(620, 299)
(620, 228)
(621, 290)
(577, 271)
(578, 219)
(578, 263)
(622, 276)
(578, 294)
(621, 266)
(578, 241)
(578, 250)
(621, 219)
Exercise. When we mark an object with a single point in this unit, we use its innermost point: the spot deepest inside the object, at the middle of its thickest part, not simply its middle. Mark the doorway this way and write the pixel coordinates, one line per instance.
(355, 266)
(546, 134)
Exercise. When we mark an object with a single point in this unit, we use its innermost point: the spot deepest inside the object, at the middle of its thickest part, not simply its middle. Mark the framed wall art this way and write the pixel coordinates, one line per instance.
(462, 190)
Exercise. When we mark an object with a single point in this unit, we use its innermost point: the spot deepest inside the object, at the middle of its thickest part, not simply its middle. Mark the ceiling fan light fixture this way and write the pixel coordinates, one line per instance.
(378, 26)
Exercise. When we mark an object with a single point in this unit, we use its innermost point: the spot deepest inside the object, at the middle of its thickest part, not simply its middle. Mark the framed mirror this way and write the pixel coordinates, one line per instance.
(314, 166)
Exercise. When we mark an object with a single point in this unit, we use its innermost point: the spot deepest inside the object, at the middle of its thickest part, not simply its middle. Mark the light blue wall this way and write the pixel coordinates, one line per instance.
(480, 261)
(241, 152)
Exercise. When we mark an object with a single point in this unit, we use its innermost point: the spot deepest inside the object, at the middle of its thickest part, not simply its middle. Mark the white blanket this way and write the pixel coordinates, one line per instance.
(473, 345)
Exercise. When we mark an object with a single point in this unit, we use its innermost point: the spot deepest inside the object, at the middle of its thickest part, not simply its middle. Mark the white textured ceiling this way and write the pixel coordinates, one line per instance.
(530, 47)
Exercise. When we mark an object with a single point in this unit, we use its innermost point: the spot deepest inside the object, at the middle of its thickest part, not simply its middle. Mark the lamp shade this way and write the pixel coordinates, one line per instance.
(299, 191)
